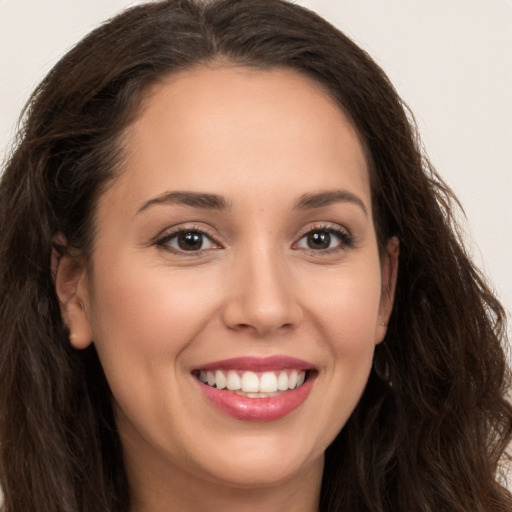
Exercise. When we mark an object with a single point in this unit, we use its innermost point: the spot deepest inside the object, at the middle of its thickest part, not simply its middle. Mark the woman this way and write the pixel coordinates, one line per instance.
(230, 281)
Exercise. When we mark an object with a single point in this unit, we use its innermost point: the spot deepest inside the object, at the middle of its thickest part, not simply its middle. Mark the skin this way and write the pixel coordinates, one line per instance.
(262, 140)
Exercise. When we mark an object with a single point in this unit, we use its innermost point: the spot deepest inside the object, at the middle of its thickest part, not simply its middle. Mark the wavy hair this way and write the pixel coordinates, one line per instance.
(431, 429)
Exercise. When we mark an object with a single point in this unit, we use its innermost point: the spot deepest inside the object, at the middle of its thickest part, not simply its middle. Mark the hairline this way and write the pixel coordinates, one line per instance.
(220, 61)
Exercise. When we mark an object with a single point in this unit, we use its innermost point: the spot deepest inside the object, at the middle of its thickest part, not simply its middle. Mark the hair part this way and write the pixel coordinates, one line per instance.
(434, 420)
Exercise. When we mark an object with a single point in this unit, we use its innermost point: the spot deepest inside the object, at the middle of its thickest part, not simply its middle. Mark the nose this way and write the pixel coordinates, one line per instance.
(262, 295)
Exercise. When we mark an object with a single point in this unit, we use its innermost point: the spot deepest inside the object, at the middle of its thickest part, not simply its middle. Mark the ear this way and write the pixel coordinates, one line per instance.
(389, 272)
(69, 273)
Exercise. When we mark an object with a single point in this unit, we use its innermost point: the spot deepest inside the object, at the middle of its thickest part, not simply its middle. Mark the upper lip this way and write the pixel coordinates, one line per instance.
(258, 364)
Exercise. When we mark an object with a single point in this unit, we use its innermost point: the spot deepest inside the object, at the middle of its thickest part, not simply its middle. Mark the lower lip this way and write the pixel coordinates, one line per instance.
(257, 409)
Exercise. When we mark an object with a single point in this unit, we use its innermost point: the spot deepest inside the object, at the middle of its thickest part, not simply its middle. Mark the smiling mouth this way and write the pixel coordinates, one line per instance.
(253, 384)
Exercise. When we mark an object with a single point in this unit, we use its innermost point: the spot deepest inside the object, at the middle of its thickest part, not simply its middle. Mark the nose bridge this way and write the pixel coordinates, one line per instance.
(263, 295)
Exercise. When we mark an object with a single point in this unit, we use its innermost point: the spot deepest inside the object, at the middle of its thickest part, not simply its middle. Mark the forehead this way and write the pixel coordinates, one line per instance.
(211, 127)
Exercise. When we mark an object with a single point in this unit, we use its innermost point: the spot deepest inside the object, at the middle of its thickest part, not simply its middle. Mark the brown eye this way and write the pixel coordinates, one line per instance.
(325, 239)
(190, 241)
(187, 241)
(319, 240)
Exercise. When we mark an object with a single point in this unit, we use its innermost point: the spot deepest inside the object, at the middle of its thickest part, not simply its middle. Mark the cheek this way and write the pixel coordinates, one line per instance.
(347, 320)
(144, 318)
(143, 315)
(347, 309)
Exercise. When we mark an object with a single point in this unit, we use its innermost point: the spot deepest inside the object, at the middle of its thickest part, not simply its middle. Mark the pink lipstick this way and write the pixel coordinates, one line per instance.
(256, 389)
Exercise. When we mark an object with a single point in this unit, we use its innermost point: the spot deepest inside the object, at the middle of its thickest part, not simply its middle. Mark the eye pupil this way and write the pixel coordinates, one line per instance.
(319, 240)
(190, 241)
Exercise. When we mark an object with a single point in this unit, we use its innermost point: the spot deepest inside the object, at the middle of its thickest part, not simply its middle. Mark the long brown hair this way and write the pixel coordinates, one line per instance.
(433, 424)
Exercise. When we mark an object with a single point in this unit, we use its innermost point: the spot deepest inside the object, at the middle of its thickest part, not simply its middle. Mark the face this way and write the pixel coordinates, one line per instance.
(236, 292)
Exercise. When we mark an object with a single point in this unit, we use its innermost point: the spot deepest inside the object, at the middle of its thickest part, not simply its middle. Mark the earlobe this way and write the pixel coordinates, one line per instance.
(70, 278)
(389, 279)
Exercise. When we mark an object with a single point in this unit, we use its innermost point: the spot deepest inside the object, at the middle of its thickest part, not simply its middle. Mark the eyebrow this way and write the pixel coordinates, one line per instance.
(194, 199)
(217, 202)
(309, 201)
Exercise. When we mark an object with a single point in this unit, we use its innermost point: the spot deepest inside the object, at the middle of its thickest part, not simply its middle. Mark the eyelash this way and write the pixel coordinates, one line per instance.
(345, 240)
(164, 241)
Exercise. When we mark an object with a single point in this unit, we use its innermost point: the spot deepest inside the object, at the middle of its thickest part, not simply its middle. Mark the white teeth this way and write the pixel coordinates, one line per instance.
(282, 381)
(220, 380)
(268, 382)
(292, 380)
(252, 384)
(233, 382)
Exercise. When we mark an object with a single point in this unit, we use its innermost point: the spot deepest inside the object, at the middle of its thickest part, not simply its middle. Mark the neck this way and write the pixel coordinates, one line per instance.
(166, 489)
(227, 499)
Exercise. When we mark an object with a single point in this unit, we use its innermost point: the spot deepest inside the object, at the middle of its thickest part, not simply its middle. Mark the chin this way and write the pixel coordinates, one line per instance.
(252, 471)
